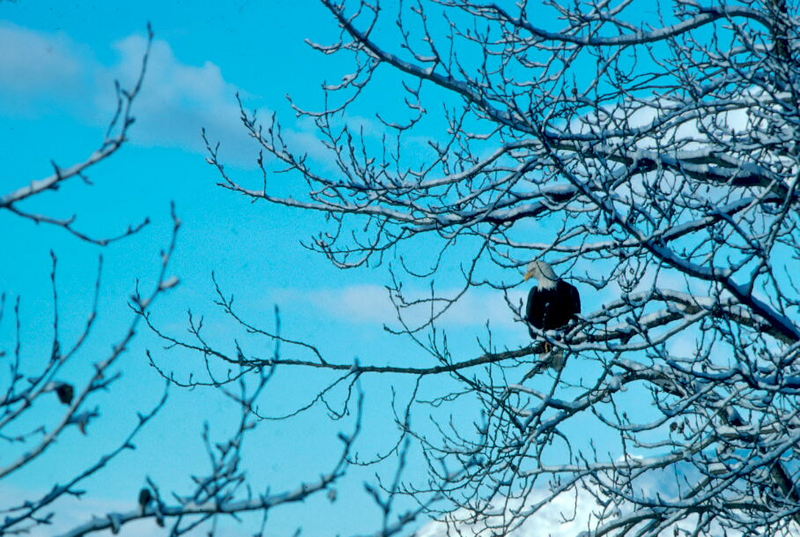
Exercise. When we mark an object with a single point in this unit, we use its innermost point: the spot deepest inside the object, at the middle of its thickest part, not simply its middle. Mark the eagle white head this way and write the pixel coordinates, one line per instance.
(543, 273)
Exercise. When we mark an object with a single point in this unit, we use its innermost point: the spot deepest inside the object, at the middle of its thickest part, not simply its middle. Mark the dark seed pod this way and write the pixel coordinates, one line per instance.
(65, 393)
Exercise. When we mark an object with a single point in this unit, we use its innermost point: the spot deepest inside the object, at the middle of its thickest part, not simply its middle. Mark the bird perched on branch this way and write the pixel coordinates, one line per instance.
(553, 303)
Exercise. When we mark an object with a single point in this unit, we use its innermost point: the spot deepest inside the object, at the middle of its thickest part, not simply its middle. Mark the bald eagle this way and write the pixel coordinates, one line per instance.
(553, 302)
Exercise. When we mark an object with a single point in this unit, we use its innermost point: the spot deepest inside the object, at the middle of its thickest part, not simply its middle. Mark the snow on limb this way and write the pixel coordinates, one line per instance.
(653, 159)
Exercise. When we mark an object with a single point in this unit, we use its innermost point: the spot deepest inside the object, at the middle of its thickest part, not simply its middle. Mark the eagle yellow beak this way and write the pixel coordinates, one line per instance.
(528, 275)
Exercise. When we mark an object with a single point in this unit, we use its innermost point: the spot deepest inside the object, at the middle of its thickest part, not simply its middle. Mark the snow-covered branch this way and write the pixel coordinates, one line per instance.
(653, 160)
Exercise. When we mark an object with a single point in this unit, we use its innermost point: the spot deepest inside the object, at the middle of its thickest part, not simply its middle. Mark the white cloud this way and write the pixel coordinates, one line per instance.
(372, 303)
(35, 62)
(567, 515)
(305, 137)
(572, 512)
(70, 512)
(179, 99)
(42, 71)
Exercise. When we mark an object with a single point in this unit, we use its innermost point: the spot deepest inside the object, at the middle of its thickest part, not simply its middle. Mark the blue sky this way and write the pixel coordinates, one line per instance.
(58, 62)
(57, 65)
